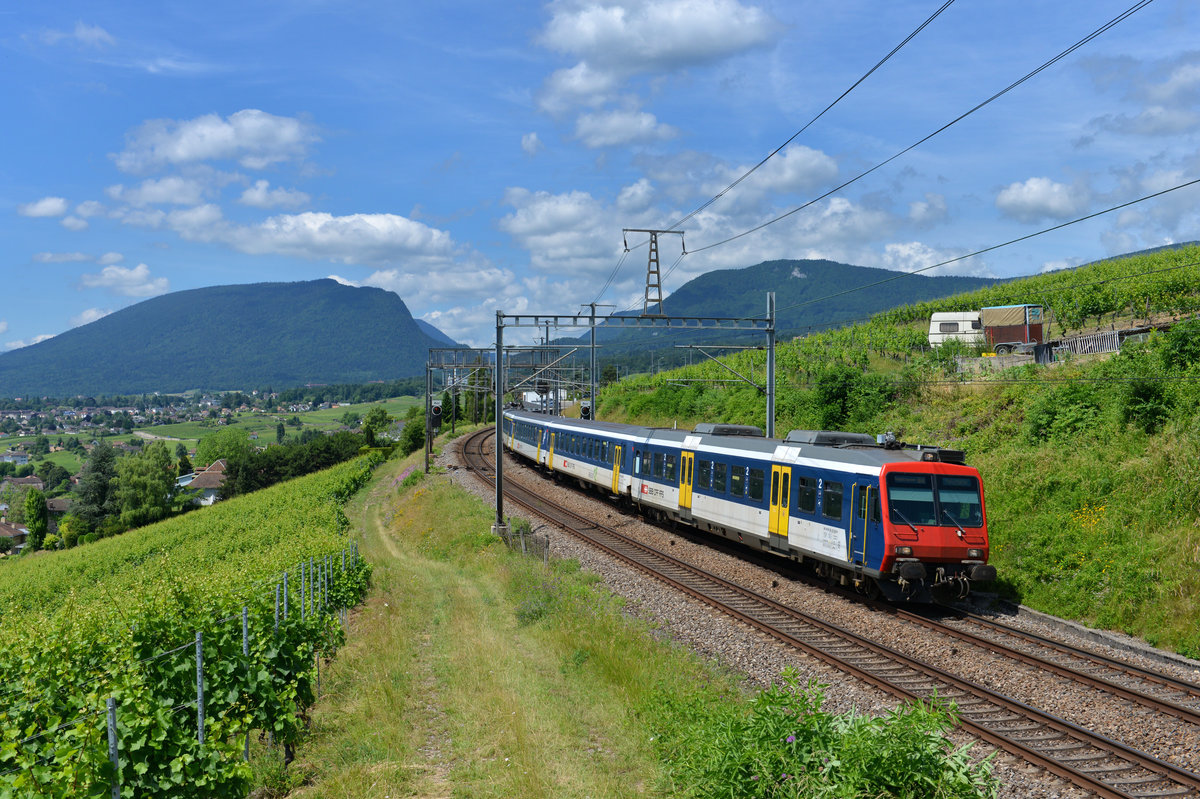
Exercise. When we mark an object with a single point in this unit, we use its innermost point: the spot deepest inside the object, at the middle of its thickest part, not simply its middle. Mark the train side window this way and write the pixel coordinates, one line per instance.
(757, 480)
(806, 494)
(637, 463)
(658, 464)
(737, 481)
(875, 510)
(860, 507)
(704, 474)
(831, 500)
(718, 477)
(669, 472)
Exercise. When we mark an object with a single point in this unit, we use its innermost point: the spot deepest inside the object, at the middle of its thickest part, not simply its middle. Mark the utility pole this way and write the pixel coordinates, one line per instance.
(653, 275)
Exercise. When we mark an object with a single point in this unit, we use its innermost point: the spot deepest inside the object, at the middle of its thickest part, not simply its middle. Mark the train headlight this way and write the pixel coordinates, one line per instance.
(904, 551)
(974, 553)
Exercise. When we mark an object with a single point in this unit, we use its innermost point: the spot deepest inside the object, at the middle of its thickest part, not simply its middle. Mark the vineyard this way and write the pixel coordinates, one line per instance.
(143, 665)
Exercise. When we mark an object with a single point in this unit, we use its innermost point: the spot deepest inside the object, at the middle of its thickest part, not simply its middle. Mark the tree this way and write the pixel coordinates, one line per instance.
(145, 483)
(227, 443)
(37, 517)
(94, 496)
(376, 421)
(412, 437)
(183, 463)
(280, 433)
(71, 528)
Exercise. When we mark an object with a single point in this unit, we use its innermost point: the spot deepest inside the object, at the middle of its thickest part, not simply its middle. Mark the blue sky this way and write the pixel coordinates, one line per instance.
(475, 156)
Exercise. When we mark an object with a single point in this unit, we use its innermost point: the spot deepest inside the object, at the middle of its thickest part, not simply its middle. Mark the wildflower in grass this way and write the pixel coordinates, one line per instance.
(791, 739)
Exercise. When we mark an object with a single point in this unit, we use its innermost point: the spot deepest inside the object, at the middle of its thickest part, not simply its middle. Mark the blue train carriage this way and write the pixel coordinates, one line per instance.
(817, 495)
(593, 453)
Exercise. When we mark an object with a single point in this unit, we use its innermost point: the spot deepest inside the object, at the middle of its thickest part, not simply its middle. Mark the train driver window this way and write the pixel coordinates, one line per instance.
(806, 494)
(718, 478)
(704, 474)
(737, 481)
(669, 473)
(757, 480)
(831, 500)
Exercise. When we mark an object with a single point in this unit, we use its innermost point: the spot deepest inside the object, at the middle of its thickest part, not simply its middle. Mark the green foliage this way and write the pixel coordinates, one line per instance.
(412, 437)
(286, 334)
(229, 443)
(37, 517)
(66, 646)
(784, 745)
(95, 497)
(145, 483)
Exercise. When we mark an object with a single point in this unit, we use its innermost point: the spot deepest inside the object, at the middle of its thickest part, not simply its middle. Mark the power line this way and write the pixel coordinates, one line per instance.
(995, 246)
(840, 97)
(1102, 29)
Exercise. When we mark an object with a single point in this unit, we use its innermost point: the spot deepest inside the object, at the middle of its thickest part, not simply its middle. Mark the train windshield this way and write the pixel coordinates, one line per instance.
(926, 499)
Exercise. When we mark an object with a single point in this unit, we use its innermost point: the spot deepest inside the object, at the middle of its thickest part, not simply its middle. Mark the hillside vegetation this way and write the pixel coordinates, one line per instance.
(222, 337)
(1091, 467)
(117, 619)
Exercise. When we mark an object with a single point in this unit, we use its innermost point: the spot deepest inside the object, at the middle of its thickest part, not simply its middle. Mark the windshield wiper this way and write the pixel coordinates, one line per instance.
(904, 519)
(950, 516)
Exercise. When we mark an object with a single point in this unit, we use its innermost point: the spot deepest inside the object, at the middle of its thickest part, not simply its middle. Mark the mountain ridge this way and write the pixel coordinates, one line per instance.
(235, 336)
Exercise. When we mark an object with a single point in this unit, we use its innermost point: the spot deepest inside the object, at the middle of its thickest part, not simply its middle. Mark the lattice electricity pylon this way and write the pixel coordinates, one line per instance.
(654, 293)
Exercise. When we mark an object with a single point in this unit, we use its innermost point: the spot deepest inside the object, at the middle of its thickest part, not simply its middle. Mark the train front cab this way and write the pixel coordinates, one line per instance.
(934, 529)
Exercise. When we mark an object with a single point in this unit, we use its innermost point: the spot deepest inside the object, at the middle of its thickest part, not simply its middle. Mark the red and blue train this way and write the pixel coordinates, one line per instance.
(903, 521)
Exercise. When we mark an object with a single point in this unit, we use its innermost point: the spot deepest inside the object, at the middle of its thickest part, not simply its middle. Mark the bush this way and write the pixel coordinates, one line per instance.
(786, 746)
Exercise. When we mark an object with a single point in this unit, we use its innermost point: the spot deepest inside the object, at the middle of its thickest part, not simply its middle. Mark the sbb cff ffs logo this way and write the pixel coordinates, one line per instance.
(435, 415)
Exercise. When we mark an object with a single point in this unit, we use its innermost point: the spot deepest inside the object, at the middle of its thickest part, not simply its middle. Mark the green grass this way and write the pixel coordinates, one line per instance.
(473, 671)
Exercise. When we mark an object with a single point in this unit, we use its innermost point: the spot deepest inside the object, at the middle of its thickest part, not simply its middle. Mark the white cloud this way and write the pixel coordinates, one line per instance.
(616, 39)
(913, 255)
(59, 258)
(74, 223)
(795, 169)
(47, 206)
(89, 35)
(355, 238)
(3, 327)
(110, 258)
(135, 282)
(89, 316)
(614, 128)
(1065, 263)
(173, 190)
(635, 197)
(261, 195)
(18, 344)
(928, 212)
(562, 232)
(89, 208)
(531, 144)
(254, 138)
(1041, 198)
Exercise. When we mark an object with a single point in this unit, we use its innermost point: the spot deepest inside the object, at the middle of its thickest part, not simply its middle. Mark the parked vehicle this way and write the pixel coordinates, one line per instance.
(1004, 328)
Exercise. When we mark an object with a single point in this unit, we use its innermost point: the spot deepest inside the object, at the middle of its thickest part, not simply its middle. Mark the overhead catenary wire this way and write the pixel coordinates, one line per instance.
(822, 113)
(790, 139)
(1095, 33)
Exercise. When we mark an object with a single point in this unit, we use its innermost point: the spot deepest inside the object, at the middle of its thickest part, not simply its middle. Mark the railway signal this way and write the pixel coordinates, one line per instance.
(585, 410)
(435, 414)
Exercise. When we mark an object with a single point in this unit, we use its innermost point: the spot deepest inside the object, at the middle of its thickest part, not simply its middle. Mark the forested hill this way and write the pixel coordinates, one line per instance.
(809, 295)
(255, 335)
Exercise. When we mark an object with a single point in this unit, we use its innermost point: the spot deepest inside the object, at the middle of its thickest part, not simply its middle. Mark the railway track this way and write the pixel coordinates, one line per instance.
(1094, 762)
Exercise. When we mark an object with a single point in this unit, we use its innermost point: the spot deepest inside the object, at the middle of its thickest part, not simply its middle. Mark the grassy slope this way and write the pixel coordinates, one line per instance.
(473, 671)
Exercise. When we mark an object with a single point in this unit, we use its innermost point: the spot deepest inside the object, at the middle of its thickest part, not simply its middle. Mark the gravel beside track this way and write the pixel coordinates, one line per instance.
(761, 659)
